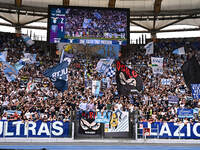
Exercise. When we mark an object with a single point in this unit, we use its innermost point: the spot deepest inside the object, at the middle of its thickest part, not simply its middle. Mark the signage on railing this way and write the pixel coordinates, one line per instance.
(34, 129)
(172, 130)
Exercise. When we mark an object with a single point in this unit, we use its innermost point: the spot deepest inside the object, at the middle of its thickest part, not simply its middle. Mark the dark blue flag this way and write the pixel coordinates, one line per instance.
(61, 85)
(59, 71)
(58, 75)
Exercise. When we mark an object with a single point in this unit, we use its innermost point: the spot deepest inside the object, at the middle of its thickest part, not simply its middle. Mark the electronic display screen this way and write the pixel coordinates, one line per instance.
(88, 25)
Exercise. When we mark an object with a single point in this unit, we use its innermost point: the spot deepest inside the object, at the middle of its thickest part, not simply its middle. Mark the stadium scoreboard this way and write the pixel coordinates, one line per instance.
(88, 25)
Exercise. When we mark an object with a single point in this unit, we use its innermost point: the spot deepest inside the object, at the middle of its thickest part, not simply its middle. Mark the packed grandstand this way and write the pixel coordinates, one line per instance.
(44, 102)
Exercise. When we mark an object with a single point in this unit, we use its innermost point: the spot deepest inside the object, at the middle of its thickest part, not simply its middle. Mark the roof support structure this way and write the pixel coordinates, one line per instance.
(66, 2)
(171, 30)
(6, 19)
(18, 4)
(33, 21)
(157, 8)
(174, 22)
(111, 3)
(137, 24)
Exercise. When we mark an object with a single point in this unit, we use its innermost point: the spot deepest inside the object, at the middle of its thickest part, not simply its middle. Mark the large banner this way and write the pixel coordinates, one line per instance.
(127, 79)
(87, 124)
(157, 65)
(171, 130)
(104, 51)
(34, 129)
(119, 122)
(195, 91)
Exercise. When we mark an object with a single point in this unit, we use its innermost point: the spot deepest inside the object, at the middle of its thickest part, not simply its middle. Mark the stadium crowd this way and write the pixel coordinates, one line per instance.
(46, 103)
(96, 23)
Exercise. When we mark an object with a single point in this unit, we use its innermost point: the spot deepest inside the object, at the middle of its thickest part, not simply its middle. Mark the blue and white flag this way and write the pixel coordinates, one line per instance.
(27, 40)
(103, 65)
(30, 58)
(149, 48)
(97, 15)
(9, 71)
(3, 55)
(179, 51)
(96, 85)
(66, 57)
(195, 91)
(111, 72)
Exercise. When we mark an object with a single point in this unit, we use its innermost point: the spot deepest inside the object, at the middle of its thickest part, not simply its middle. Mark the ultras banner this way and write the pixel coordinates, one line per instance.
(34, 129)
(127, 79)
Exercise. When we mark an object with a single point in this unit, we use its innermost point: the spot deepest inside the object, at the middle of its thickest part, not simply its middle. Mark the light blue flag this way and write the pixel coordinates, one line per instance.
(3, 55)
(27, 40)
(20, 64)
(9, 71)
(96, 85)
(179, 51)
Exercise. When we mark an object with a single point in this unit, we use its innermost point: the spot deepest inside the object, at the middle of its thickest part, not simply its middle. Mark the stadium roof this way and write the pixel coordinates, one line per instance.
(152, 15)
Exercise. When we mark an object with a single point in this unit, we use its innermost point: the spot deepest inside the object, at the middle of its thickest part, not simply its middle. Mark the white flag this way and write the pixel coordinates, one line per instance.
(149, 48)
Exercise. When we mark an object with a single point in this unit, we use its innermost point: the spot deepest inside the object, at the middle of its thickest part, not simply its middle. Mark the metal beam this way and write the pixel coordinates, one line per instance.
(170, 30)
(174, 22)
(137, 24)
(35, 20)
(111, 3)
(157, 8)
(66, 2)
(24, 13)
(163, 18)
(6, 19)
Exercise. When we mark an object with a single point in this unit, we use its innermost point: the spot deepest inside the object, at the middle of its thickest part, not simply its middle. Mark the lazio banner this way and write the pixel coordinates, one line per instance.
(34, 129)
(171, 130)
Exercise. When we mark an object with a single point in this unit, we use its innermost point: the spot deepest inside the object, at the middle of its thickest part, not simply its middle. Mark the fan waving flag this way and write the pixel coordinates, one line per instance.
(57, 74)
(127, 79)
